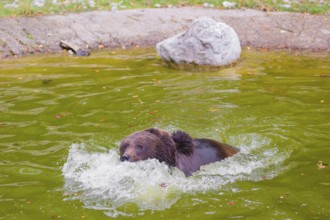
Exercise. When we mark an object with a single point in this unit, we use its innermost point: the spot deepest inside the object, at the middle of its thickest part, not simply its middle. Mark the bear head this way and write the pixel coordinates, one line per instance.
(149, 144)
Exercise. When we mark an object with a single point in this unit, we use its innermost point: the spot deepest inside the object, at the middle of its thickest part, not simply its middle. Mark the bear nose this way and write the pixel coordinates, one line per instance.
(124, 158)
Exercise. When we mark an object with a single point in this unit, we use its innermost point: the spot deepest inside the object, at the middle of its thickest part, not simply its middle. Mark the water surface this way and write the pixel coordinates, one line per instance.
(61, 119)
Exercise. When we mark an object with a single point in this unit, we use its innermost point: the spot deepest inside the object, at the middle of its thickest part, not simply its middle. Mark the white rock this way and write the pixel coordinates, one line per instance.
(205, 43)
(91, 3)
(228, 4)
(286, 6)
(39, 3)
(12, 5)
(206, 5)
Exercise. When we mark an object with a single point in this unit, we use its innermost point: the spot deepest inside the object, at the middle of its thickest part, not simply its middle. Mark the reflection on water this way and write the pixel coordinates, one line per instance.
(273, 106)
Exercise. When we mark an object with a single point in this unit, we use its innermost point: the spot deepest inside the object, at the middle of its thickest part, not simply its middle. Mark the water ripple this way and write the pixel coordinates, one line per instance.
(20, 184)
(26, 164)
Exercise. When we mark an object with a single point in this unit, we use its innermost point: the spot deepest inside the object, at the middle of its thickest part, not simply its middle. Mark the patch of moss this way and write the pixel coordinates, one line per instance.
(194, 67)
(27, 8)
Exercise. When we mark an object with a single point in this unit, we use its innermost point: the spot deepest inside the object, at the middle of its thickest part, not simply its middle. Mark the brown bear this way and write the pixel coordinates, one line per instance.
(177, 149)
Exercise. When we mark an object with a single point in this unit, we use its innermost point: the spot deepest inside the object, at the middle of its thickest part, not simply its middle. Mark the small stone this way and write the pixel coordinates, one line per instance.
(206, 5)
(228, 4)
(286, 6)
(91, 3)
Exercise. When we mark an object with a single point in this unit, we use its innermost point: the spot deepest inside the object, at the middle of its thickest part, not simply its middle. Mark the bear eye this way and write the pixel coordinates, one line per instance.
(140, 147)
(124, 146)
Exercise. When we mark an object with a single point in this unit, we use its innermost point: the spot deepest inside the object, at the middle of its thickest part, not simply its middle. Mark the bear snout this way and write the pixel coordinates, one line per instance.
(125, 158)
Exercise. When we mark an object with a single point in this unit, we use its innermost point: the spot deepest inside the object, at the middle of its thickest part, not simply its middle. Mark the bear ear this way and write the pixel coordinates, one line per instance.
(154, 131)
(184, 143)
(166, 147)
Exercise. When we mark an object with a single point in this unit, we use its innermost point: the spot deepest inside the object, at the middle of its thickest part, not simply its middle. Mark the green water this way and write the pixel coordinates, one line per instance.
(275, 104)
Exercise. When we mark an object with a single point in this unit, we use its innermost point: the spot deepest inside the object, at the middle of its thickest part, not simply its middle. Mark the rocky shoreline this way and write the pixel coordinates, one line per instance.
(145, 27)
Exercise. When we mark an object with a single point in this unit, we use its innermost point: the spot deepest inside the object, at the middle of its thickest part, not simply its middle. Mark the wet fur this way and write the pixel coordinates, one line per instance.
(177, 149)
(184, 143)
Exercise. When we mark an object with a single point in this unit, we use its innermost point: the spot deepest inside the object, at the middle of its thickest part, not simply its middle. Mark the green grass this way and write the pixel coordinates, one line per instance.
(26, 7)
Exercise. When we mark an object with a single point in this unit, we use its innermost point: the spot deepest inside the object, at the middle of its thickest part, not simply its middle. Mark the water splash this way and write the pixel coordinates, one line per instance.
(103, 182)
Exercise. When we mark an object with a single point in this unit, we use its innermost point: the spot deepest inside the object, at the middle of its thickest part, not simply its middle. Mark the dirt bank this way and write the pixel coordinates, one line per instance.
(145, 27)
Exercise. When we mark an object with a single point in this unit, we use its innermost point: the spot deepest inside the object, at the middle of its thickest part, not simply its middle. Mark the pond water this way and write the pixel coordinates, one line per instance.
(61, 119)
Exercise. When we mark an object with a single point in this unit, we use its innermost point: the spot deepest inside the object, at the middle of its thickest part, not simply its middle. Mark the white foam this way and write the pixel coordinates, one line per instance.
(103, 182)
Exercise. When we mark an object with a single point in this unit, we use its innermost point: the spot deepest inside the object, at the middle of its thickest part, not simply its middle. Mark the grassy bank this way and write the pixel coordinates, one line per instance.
(40, 7)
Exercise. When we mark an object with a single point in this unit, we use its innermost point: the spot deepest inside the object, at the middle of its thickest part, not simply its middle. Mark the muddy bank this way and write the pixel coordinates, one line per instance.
(146, 27)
